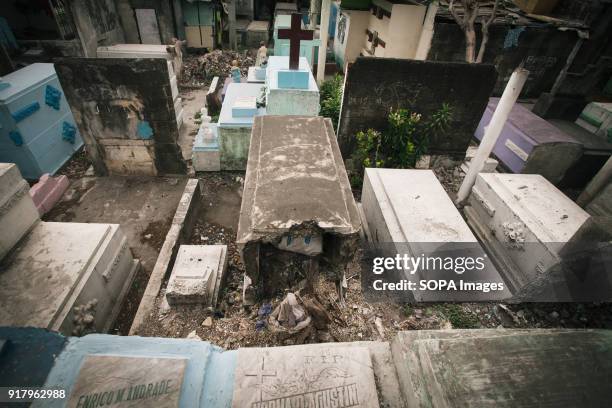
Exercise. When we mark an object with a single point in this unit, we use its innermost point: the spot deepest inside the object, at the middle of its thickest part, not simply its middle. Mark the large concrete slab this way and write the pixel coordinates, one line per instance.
(62, 265)
(295, 180)
(304, 376)
(504, 368)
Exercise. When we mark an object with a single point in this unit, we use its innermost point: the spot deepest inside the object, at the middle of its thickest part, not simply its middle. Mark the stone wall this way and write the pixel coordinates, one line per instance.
(375, 86)
(125, 112)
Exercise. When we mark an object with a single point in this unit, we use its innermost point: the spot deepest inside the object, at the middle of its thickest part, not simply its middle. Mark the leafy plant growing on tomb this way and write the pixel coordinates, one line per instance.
(330, 96)
(402, 144)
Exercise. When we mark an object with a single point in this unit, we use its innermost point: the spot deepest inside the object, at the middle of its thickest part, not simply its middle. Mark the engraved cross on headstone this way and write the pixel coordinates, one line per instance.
(260, 374)
(295, 34)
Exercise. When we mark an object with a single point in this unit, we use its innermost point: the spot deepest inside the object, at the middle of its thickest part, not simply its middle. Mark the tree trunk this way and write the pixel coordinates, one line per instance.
(483, 45)
(470, 44)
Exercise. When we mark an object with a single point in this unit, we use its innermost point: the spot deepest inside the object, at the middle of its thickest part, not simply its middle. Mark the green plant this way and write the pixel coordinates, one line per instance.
(458, 316)
(402, 143)
(330, 97)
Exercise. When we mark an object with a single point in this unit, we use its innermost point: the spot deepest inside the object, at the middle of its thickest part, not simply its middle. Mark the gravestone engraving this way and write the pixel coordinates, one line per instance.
(128, 382)
(375, 86)
(304, 376)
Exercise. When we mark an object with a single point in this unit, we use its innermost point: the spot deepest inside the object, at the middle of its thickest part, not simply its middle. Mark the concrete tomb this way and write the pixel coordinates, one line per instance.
(37, 131)
(527, 225)
(235, 123)
(304, 376)
(18, 214)
(297, 202)
(290, 92)
(129, 126)
(375, 86)
(408, 212)
(150, 51)
(48, 191)
(197, 275)
(256, 32)
(63, 274)
(205, 153)
(503, 368)
(529, 144)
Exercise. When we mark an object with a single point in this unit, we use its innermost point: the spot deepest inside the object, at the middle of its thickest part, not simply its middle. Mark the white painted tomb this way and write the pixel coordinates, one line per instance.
(18, 214)
(304, 376)
(205, 154)
(408, 212)
(197, 274)
(59, 266)
(524, 221)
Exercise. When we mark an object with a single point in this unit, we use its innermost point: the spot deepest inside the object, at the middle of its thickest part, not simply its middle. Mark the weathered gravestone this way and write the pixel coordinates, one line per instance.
(304, 376)
(197, 274)
(504, 368)
(375, 86)
(125, 111)
(120, 381)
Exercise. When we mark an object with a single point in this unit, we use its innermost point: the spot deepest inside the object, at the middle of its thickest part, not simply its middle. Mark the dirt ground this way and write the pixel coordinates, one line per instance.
(143, 206)
(232, 326)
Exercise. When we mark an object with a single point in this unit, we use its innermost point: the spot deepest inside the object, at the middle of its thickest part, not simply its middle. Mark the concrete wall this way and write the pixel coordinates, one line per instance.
(374, 87)
(543, 49)
(234, 147)
(354, 35)
(404, 30)
(97, 23)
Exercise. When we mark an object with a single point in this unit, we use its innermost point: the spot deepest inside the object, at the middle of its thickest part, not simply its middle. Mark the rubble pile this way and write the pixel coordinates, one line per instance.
(199, 70)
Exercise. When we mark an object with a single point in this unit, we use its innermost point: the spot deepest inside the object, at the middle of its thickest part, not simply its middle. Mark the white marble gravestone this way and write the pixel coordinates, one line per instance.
(304, 376)
(197, 273)
(118, 381)
(17, 210)
(58, 266)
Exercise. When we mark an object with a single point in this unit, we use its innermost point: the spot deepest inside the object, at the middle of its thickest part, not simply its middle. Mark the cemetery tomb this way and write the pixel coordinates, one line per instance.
(149, 51)
(129, 126)
(529, 144)
(235, 123)
(38, 131)
(597, 118)
(206, 155)
(197, 275)
(304, 376)
(291, 91)
(59, 266)
(490, 164)
(256, 75)
(307, 48)
(18, 214)
(297, 201)
(408, 212)
(525, 223)
(135, 371)
(503, 368)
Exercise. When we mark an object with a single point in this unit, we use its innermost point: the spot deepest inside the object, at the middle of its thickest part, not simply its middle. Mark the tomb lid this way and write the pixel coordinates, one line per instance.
(416, 207)
(26, 79)
(43, 271)
(536, 128)
(304, 376)
(295, 174)
(549, 213)
(198, 261)
(276, 63)
(234, 91)
(137, 50)
(258, 25)
(129, 381)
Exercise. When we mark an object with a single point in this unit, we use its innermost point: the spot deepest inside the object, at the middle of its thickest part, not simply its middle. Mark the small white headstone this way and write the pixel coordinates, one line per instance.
(195, 274)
